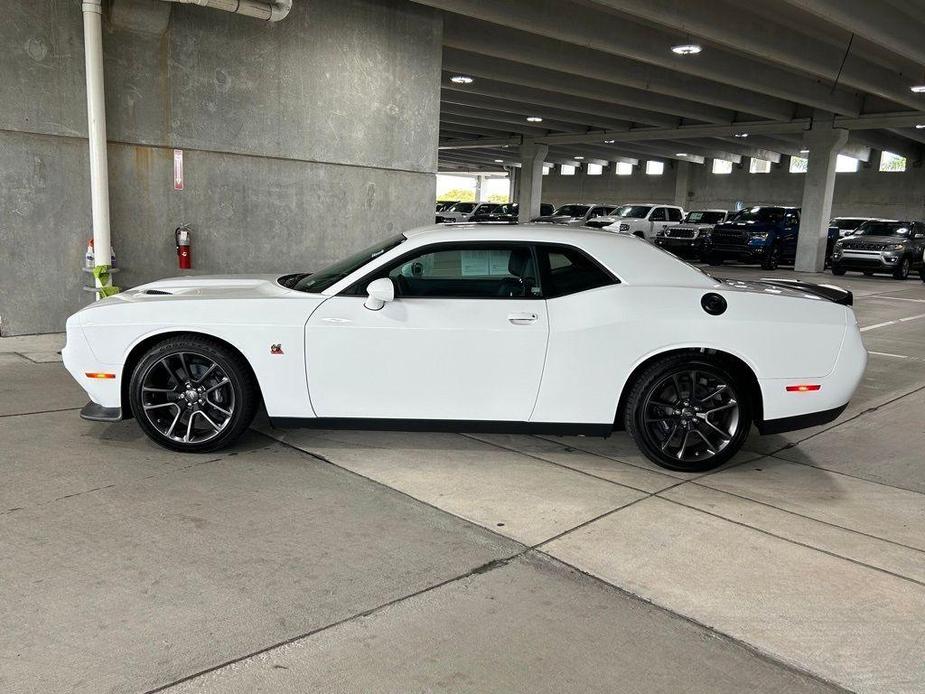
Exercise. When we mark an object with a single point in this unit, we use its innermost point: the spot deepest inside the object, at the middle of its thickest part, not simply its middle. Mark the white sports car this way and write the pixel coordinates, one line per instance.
(528, 328)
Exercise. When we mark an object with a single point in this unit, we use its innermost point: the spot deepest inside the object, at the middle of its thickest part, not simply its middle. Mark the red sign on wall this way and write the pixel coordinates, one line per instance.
(178, 169)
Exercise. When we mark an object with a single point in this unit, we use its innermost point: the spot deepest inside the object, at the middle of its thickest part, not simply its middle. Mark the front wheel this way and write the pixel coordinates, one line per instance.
(688, 413)
(714, 260)
(838, 270)
(902, 270)
(772, 259)
(193, 394)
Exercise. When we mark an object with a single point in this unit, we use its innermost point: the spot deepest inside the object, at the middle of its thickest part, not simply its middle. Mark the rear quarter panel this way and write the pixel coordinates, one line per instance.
(598, 337)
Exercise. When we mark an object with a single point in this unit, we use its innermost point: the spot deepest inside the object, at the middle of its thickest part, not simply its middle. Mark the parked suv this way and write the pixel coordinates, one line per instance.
(881, 245)
(691, 238)
(644, 220)
(576, 214)
(508, 212)
(462, 211)
(762, 234)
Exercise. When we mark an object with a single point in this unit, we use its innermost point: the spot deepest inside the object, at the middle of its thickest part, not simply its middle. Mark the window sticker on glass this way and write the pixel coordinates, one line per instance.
(498, 264)
(475, 263)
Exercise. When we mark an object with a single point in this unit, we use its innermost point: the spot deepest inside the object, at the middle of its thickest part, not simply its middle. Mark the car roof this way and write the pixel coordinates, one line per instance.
(632, 259)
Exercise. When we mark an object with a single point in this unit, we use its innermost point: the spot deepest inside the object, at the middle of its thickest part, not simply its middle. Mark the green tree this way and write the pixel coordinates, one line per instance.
(498, 197)
(461, 194)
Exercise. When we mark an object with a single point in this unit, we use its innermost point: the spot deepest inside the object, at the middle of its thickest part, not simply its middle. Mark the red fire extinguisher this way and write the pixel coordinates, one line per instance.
(184, 250)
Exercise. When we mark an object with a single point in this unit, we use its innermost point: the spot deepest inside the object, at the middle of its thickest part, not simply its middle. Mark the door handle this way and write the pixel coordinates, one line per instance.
(522, 318)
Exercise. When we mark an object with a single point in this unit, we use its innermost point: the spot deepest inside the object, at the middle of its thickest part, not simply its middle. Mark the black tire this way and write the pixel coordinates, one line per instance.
(655, 428)
(713, 260)
(160, 387)
(902, 270)
(771, 259)
(922, 274)
(839, 271)
(868, 274)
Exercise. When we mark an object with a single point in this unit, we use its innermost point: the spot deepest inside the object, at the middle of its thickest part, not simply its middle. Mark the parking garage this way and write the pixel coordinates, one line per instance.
(270, 141)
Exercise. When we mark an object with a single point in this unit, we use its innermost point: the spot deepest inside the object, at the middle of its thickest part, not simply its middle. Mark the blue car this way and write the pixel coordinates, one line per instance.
(765, 235)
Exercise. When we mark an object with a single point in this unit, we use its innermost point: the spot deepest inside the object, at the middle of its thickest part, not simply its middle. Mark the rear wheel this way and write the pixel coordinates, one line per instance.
(688, 412)
(902, 270)
(838, 270)
(193, 394)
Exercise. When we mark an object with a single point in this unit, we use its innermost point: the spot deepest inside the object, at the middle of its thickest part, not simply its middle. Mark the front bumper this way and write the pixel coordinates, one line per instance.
(97, 413)
(684, 248)
(79, 360)
(867, 261)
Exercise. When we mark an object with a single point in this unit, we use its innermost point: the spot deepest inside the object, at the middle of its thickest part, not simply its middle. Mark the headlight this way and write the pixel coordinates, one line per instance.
(895, 247)
(760, 236)
(661, 232)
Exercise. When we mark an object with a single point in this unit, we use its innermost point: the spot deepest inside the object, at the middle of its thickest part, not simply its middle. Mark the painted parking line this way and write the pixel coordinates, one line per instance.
(895, 298)
(887, 354)
(891, 322)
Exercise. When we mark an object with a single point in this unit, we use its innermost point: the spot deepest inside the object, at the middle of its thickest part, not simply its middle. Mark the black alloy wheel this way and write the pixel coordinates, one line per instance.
(772, 259)
(688, 413)
(902, 270)
(193, 394)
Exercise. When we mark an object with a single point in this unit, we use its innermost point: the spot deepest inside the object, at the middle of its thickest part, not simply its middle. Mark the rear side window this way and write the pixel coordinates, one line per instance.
(674, 215)
(566, 270)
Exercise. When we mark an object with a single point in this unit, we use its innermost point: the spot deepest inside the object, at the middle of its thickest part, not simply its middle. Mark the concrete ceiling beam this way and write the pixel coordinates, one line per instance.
(735, 25)
(599, 105)
(553, 80)
(538, 50)
(509, 118)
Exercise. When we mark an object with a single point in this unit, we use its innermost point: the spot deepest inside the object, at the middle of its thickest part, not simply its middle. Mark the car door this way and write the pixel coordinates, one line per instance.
(658, 220)
(464, 338)
(918, 244)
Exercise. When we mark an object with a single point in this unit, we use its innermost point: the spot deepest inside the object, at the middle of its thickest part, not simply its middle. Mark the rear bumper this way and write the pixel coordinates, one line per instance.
(801, 421)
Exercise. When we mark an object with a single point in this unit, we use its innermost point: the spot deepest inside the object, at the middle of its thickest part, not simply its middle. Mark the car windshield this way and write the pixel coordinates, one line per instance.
(758, 214)
(572, 211)
(884, 229)
(704, 217)
(463, 207)
(846, 223)
(323, 279)
(633, 211)
(509, 208)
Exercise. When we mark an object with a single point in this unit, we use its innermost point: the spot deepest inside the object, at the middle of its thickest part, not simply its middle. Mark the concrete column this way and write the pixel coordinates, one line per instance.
(479, 183)
(824, 143)
(530, 181)
(682, 183)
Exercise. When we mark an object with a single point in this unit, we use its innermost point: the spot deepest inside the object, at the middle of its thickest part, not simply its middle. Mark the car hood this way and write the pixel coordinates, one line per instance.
(206, 287)
(690, 226)
(870, 242)
(751, 227)
(555, 219)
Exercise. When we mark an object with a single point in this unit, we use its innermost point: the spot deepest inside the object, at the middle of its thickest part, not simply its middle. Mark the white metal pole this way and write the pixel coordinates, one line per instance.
(96, 123)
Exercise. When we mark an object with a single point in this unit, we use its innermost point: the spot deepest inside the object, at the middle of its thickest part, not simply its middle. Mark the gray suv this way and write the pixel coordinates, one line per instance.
(881, 245)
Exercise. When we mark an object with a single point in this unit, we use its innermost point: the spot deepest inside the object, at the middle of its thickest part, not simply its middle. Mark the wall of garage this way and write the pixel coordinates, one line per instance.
(867, 192)
(302, 140)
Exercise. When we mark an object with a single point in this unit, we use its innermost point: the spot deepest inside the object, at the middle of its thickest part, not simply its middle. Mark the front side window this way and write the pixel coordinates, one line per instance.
(658, 215)
(467, 271)
(674, 214)
(462, 207)
(569, 271)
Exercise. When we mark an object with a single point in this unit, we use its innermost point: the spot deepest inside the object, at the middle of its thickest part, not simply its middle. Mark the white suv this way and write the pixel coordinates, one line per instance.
(641, 219)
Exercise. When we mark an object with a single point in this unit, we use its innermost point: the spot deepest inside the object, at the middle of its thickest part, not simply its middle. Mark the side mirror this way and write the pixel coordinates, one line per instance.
(380, 292)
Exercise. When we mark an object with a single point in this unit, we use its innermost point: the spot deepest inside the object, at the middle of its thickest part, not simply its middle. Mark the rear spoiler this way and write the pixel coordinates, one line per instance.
(823, 291)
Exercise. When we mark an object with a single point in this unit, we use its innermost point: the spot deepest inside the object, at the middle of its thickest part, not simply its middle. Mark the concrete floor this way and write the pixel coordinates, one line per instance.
(363, 561)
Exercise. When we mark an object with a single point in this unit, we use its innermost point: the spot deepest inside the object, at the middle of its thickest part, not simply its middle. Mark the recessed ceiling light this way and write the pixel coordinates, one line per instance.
(804, 151)
(534, 119)
(918, 88)
(578, 158)
(920, 126)
(686, 49)
(610, 142)
(461, 79)
(681, 154)
(499, 161)
(741, 135)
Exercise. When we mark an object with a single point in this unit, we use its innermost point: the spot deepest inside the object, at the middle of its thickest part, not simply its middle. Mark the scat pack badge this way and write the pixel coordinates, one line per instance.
(276, 349)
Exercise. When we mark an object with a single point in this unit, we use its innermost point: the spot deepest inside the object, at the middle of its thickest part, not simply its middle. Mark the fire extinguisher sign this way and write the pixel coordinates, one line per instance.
(178, 169)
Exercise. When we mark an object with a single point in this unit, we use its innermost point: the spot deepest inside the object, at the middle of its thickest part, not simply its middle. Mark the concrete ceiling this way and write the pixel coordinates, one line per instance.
(601, 74)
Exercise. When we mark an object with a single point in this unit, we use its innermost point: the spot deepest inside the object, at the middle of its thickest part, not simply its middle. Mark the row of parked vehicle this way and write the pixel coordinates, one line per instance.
(763, 234)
